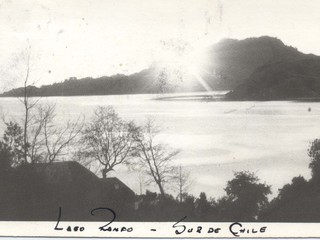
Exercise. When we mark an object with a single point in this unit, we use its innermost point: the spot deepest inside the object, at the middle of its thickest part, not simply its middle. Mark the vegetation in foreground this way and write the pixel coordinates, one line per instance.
(108, 141)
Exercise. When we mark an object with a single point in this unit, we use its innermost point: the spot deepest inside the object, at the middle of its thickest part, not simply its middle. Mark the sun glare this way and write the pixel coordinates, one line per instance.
(188, 62)
(185, 63)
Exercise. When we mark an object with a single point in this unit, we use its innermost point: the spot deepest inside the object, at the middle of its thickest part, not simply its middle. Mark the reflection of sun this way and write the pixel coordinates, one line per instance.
(186, 62)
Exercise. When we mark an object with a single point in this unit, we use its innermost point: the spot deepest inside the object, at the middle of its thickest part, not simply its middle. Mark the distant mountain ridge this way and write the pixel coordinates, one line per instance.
(231, 65)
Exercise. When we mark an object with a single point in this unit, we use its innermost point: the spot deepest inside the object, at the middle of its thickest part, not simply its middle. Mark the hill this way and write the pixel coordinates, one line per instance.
(281, 80)
(230, 63)
(118, 84)
(233, 61)
(151, 80)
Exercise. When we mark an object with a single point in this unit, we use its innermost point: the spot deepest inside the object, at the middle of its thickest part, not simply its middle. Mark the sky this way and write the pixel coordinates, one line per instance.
(80, 38)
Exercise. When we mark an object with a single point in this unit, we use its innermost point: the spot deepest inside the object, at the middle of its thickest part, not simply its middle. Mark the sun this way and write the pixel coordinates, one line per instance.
(184, 62)
(187, 60)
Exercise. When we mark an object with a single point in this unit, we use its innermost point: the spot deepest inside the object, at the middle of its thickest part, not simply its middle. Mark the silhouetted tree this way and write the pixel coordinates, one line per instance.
(202, 206)
(28, 104)
(296, 201)
(314, 154)
(41, 139)
(183, 179)
(108, 139)
(56, 139)
(246, 196)
(5, 157)
(13, 143)
(188, 205)
(46, 140)
(290, 191)
(153, 157)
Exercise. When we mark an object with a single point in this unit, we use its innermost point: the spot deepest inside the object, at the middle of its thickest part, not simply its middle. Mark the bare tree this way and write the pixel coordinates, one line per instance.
(108, 139)
(28, 105)
(154, 158)
(27, 108)
(183, 179)
(46, 139)
(34, 134)
(43, 139)
(56, 139)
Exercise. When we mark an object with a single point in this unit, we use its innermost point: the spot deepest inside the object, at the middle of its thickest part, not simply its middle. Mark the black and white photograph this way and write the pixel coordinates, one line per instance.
(160, 111)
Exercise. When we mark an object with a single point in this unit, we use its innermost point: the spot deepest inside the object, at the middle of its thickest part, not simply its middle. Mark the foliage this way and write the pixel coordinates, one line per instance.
(296, 201)
(246, 196)
(314, 154)
(291, 191)
(202, 206)
(5, 157)
(13, 144)
(188, 205)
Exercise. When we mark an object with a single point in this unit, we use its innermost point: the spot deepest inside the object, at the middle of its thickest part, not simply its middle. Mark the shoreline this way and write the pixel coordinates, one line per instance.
(190, 96)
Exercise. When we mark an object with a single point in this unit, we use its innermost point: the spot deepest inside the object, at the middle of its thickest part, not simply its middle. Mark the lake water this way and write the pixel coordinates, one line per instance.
(215, 138)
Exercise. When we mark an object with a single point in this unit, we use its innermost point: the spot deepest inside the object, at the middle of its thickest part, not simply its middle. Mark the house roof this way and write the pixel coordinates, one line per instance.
(114, 183)
(63, 172)
(71, 172)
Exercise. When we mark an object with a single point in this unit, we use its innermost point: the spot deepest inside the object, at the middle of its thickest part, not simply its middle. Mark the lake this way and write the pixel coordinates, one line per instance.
(216, 138)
